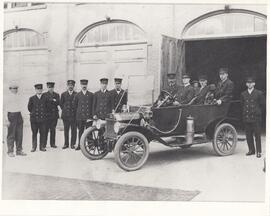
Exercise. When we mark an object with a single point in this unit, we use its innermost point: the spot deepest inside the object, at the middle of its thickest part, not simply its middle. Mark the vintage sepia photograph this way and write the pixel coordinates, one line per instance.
(134, 101)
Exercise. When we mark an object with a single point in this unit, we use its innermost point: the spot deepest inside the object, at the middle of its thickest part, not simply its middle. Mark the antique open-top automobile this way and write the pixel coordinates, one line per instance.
(128, 134)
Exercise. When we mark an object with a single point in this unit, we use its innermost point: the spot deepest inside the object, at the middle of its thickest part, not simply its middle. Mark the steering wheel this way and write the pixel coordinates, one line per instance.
(166, 96)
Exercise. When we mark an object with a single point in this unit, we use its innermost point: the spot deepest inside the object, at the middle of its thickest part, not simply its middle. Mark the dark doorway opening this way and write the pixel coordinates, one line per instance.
(243, 56)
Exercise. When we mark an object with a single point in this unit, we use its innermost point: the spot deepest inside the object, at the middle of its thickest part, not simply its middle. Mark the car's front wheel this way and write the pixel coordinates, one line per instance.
(92, 143)
(225, 139)
(131, 151)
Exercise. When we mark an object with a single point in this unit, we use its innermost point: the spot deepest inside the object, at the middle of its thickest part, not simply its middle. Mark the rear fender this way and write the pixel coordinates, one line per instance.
(211, 127)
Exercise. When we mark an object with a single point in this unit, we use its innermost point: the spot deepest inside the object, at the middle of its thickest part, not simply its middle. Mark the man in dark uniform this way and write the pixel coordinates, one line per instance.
(224, 90)
(196, 87)
(102, 101)
(83, 104)
(118, 96)
(69, 114)
(186, 92)
(253, 102)
(37, 107)
(203, 90)
(53, 100)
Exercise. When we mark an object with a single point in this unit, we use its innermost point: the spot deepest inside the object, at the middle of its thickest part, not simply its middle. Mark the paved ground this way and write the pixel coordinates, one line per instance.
(16, 186)
(231, 178)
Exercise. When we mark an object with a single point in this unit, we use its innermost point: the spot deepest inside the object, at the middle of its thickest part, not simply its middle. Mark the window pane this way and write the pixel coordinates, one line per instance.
(111, 32)
(24, 38)
(229, 23)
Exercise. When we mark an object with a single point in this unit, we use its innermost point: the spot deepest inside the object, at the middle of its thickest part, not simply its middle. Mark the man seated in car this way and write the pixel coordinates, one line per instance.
(203, 90)
(172, 89)
(186, 92)
(224, 90)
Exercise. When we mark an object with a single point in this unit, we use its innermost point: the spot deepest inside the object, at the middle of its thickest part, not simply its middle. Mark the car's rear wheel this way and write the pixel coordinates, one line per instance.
(92, 143)
(131, 151)
(225, 139)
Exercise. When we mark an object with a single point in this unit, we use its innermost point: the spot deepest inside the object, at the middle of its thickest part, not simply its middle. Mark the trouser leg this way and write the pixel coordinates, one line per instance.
(249, 136)
(53, 131)
(19, 134)
(257, 133)
(11, 133)
(66, 132)
(34, 128)
(73, 132)
(42, 132)
(47, 129)
(81, 127)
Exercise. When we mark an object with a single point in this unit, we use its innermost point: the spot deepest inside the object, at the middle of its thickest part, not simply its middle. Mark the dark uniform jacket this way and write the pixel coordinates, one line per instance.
(115, 99)
(200, 98)
(252, 104)
(224, 90)
(38, 108)
(102, 104)
(173, 90)
(53, 100)
(185, 94)
(67, 104)
(83, 104)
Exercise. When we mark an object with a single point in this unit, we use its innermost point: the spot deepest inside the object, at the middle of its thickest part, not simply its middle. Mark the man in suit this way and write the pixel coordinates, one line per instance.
(69, 114)
(37, 107)
(253, 102)
(102, 104)
(186, 92)
(118, 96)
(53, 100)
(14, 121)
(203, 90)
(83, 104)
(196, 87)
(224, 90)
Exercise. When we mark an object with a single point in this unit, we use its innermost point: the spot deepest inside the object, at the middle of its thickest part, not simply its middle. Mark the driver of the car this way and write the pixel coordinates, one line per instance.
(171, 88)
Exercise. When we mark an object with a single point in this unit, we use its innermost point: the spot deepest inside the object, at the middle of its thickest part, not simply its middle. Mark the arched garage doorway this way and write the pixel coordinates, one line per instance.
(110, 48)
(232, 38)
(25, 61)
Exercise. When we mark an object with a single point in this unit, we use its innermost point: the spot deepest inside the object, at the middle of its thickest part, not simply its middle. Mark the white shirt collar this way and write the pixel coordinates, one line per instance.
(187, 84)
(39, 96)
(103, 90)
(250, 90)
(84, 91)
(70, 92)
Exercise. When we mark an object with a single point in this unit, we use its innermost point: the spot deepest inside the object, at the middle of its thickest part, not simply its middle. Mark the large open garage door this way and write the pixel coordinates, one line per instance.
(25, 62)
(114, 48)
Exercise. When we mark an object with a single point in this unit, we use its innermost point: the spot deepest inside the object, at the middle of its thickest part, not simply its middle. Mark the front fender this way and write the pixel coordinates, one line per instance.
(150, 135)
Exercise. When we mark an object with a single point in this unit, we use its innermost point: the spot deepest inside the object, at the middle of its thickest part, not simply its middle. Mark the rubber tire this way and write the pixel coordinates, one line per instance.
(118, 146)
(218, 152)
(83, 149)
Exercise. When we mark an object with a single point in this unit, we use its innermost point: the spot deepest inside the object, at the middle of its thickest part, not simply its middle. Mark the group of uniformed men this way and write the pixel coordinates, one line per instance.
(77, 108)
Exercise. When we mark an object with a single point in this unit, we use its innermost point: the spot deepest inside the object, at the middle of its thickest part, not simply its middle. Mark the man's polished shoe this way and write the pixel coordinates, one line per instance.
(54, 146)
(250, 153)
(21, 153)
(73, 147)
(258, 155)
(11, 154)
(43, 149)
(33, 150)
(64, 147)
(78, 148)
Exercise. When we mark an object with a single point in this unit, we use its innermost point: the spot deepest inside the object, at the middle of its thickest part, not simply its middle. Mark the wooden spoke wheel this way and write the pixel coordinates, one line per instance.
(131, 151)
(225, 139)
(92, 143)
